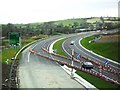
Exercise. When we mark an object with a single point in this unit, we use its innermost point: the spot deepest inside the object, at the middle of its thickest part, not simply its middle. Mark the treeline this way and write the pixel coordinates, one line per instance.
(50, 28)
(28, 30)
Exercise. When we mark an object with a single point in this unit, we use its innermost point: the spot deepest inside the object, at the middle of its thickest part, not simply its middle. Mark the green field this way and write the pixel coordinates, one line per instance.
(69, 21)
(8, 53)
(93, 20)
(108, 49)
(101, 84)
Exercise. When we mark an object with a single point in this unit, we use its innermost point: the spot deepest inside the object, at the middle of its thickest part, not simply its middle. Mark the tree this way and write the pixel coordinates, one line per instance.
(99, 25)
(76, 24)
(84, 25)
(91, 27)
(102, 19)
(8, 28)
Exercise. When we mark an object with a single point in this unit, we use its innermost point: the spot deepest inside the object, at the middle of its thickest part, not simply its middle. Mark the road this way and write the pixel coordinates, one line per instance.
(67, 48)
(39, 72)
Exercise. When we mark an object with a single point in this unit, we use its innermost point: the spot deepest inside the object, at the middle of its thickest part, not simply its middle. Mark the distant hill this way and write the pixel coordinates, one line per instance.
(68, 22)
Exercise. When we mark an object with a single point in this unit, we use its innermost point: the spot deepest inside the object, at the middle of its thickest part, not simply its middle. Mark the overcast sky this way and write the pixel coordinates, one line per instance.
(28, 11)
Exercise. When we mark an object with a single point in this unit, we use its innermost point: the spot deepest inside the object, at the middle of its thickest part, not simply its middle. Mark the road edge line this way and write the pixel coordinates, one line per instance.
(95, 53)
(79, 79)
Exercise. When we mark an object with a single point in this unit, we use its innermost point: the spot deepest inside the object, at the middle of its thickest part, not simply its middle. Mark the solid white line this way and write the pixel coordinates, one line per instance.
(64, 49)
(30, 52)
(99, 55)
(82, 81)
(51, 46)
(76, 47)
(88, 54)
(78, 78)
(23, 48)
(28, 56)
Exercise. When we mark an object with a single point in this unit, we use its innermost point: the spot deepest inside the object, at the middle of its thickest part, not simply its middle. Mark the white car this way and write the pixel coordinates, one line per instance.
(87, 65)
(72, 43)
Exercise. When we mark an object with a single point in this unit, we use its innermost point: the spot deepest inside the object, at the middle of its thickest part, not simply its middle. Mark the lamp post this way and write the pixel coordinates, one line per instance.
(72, 63)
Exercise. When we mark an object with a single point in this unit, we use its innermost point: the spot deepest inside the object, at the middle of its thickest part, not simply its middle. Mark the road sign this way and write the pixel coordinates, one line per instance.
(78, 56)
(14, 39)
(106, 62)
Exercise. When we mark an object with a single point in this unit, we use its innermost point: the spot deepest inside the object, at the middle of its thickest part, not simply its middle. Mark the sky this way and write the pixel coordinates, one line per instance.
(29, 11)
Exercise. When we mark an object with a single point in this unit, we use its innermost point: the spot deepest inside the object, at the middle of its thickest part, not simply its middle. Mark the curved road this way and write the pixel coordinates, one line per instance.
(79, 50)
(82, 51)
(38, 72)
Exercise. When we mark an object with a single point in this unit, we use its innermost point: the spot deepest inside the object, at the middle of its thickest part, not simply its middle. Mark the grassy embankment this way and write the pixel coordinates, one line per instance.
(8, 53)
(97, 82)
(108, 49)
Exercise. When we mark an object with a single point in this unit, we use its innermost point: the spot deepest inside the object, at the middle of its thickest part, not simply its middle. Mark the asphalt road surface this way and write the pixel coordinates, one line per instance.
(67, 48)
(38, 72)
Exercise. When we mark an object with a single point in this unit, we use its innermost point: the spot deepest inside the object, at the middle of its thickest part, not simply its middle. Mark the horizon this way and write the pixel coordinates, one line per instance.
(33, 11)
(57, 20)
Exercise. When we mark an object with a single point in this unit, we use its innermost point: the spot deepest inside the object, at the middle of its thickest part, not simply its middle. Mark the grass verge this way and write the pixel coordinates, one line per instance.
(108, 49)
(58, 46)
(8, 53)
(97, 82)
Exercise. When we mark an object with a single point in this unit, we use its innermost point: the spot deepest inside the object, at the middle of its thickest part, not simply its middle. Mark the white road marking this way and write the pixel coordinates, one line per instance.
(83, 51)
(77, 77)
(51, 46)
(64, 49)
(88, 54)
(30, 52)
(28, 56)
(97, 55)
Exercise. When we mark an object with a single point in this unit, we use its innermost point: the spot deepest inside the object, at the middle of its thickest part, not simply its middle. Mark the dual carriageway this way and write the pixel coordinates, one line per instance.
(38, 67)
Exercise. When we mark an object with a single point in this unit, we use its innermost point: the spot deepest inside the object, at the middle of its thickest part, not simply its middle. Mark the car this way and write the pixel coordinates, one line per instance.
(87, 65)
(72, 43)
(105, 33)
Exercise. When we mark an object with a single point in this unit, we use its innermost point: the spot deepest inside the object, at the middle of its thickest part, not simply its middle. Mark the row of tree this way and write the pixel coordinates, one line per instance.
(50, 28)
(27, 30)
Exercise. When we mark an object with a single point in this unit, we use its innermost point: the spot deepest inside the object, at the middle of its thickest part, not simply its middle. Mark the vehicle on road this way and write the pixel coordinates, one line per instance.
(87, 65)
(72, 43)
